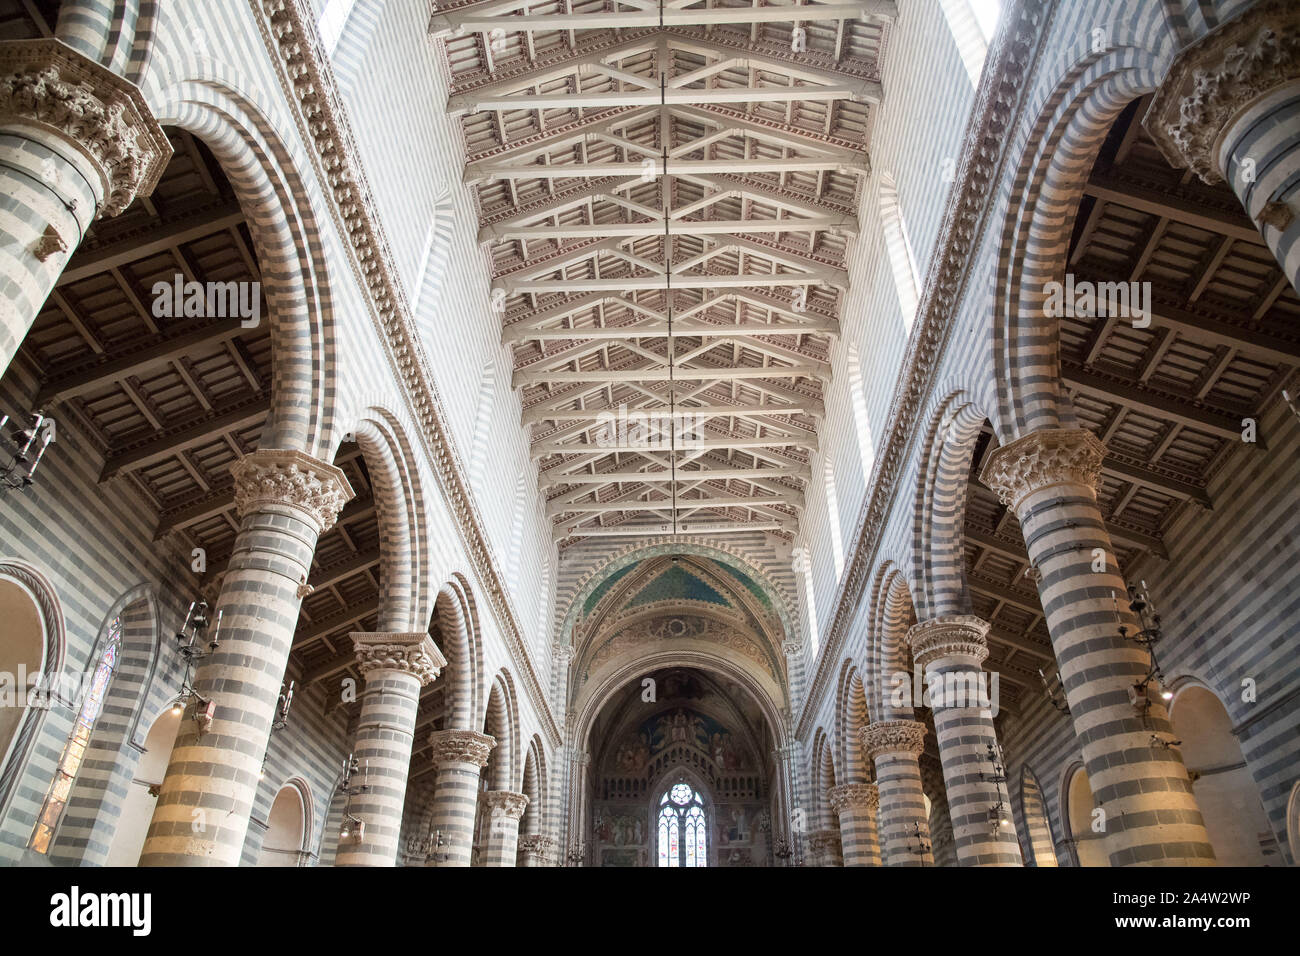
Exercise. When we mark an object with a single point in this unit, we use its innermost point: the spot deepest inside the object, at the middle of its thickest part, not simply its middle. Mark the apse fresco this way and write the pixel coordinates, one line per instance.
(687, 745)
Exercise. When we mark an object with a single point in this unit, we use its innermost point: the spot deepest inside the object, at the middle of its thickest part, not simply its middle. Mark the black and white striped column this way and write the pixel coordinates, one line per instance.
(951, 651)
(895, 746)
(536, 850)
(504, 808)
(1229, 109)
(395, 667)
(77, 142)
(285, 500)
(856, 805)
(1138, 779)
(460, 756)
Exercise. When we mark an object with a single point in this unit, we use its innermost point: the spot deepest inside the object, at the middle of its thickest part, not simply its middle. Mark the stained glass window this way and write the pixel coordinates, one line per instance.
(683, 828)
(74, 751)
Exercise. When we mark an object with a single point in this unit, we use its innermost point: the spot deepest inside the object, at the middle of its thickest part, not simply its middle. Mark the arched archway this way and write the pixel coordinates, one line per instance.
(1079, 817)
(702, 727)
(137, 808)
(23, 650)
(1072, 123)
(88, 827)
(1036, 827)
(288, 827)
(455, 631)
(287, 241)
(1225, 789)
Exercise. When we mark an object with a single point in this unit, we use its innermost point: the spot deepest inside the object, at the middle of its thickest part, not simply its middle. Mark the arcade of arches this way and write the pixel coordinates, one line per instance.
(671, 434)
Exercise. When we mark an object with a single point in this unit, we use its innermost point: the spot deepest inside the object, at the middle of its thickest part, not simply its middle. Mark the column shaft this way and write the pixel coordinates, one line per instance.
(286, 499)
(894, 746)
(504, 808)
(76, 142)
(951, 651)
(1229, 109)
(395, 667)
(1140, 782)
(460, 756)
(857, 804)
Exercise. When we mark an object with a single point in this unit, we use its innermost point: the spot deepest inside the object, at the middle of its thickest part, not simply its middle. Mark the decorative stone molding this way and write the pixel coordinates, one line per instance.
(960, 635)
(49, 85)
(1022, 25)
(541, 847)
(893, 737)
(822, 841)
(855, 796)
(461, 746)
(562, 653)
(308, 85)
(1219, 76)
(287, 478)
(414, 652)
(786, 753)
(693, 627)
(781, 604)
(506, 803)
(1050, 456)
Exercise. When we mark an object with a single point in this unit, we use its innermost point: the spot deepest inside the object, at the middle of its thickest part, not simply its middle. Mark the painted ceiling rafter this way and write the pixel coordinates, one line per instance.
(668, 192)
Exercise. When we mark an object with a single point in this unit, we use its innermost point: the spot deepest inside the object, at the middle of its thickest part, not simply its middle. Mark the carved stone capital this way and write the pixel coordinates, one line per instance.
(562, 653)
(290, 479)
(1219, 76)
(1050, 456)
(47, 85)
(893, 737)
(383, 650)
(855, 796)
(505, 803)
(461, 746)
(819, 841)
(959, 635)
(542, 847)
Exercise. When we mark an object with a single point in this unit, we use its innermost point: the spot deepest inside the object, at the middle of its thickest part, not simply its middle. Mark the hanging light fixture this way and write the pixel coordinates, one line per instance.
(1055, 694)
(21, 452)
(353, 828)
(1000, 812)
(921, 847)
(1147, 636)
(193, 646)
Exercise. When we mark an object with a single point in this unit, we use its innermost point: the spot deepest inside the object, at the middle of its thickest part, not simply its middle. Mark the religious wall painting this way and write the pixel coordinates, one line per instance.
(629, 857)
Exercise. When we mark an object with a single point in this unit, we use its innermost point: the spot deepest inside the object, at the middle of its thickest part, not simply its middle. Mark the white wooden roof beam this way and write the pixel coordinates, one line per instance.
(491, 16)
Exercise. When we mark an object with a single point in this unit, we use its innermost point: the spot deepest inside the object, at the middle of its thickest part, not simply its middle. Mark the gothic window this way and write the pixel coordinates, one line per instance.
(75, 749)
(683, 828)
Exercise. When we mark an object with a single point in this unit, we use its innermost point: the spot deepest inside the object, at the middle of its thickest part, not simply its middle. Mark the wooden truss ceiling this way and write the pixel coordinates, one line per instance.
(1167, 400)
(667, 191)
(169, 404)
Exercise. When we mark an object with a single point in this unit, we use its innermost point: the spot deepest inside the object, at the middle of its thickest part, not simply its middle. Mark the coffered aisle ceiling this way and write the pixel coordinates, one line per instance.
(667, 192)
